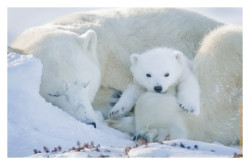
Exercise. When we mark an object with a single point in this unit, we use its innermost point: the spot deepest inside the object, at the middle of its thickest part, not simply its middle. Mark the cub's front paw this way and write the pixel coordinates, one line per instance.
(189, 109)
(117, 112)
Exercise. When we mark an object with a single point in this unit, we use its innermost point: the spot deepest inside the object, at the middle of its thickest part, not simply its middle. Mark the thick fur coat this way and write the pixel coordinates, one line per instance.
(87, 51)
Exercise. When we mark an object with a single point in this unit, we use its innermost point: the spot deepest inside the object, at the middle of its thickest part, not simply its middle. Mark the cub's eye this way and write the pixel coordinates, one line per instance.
(166, 75)
(148, 75)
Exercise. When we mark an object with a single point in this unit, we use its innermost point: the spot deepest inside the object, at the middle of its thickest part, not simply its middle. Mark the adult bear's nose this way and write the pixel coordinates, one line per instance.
(158, 89)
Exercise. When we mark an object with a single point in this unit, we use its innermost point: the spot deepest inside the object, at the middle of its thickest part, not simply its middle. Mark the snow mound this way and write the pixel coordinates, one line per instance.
(34, 123)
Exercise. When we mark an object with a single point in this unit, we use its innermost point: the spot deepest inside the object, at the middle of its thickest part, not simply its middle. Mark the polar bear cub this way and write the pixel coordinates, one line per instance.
(156, 71)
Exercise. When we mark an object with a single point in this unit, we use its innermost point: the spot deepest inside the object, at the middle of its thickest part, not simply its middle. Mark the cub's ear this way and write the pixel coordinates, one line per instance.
(89, 40)
(178, 55)
(134, 58)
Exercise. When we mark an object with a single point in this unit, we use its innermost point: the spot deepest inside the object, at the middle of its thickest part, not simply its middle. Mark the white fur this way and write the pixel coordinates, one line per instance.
(221, 91)
(63, 81)
(157, 62)
(127, 101)
(66, 47)
(166, 67)
(158, 122)
(60, 46)
(188, 95)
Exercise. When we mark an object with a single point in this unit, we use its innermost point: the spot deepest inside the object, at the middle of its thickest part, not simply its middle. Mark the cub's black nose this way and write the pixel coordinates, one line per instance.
(158, 89)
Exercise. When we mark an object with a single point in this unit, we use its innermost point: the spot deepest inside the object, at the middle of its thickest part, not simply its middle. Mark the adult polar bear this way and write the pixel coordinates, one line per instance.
(76, 63)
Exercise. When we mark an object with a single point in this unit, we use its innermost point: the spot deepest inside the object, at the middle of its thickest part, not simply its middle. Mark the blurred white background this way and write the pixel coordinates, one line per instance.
(20, 19)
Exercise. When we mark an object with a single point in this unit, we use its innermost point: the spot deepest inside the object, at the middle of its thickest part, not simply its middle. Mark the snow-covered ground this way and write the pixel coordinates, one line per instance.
(34, 124)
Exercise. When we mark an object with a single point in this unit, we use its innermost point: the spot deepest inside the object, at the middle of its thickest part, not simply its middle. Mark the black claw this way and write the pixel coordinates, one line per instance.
(196, 146)
(117, 94)
(185, 109)
(127, 115)
(113, 113)
(182, 145)
(92, 123)
(136, 137)
(112, 104)
(146, 138)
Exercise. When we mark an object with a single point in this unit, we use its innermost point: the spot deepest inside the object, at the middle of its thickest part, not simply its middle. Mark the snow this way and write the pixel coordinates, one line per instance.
(183, 148)
(34, 123)
(175, 148)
